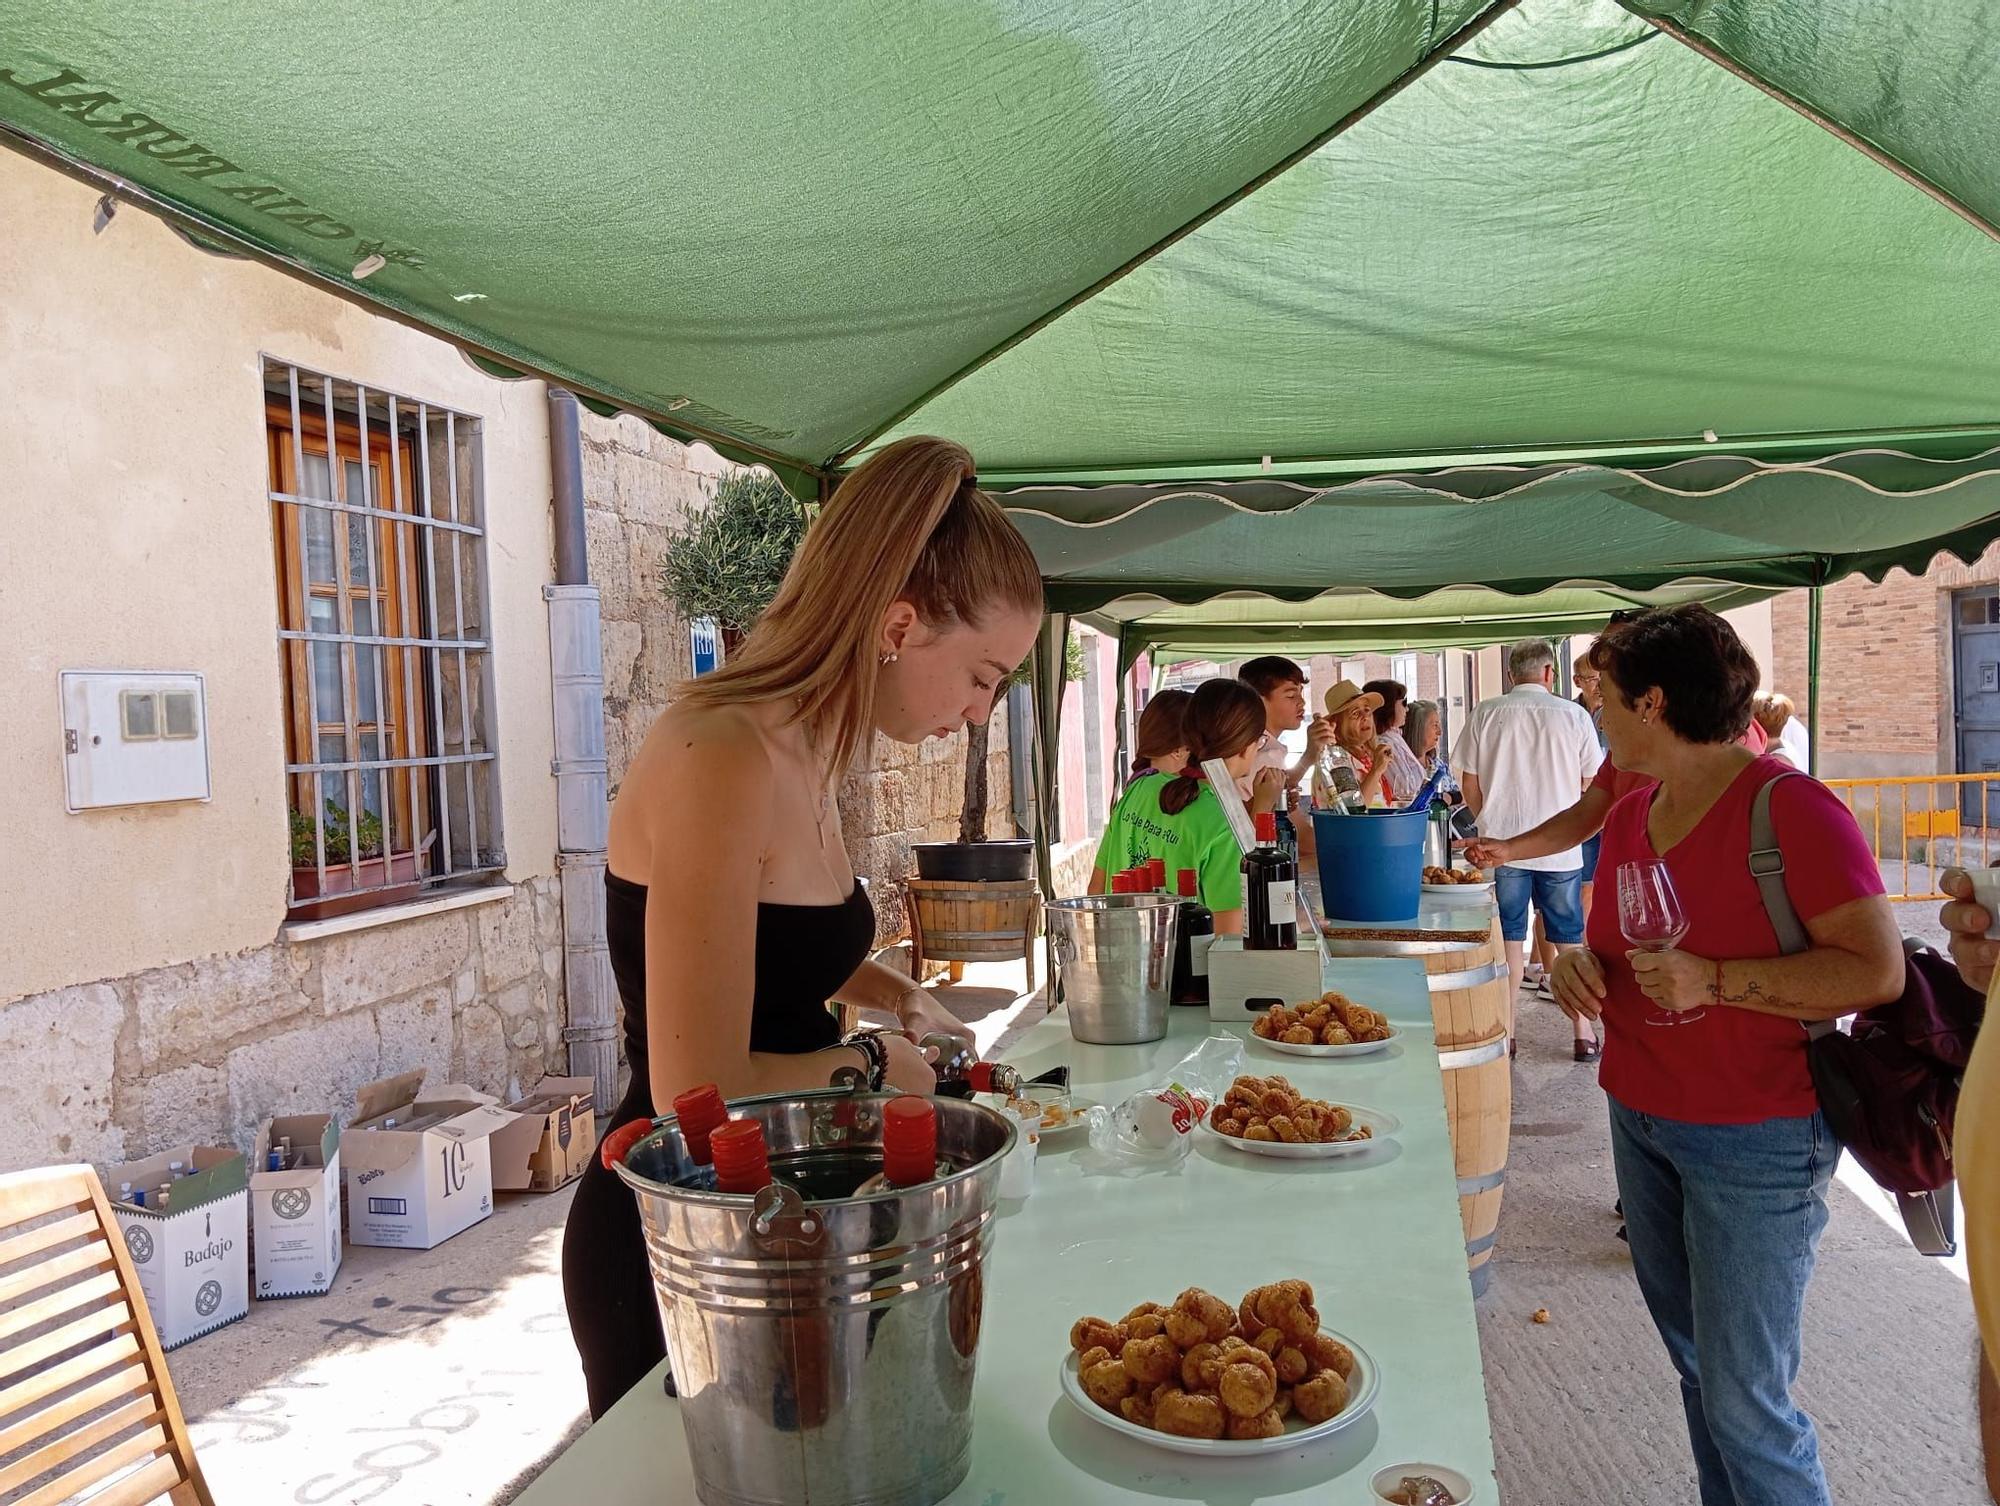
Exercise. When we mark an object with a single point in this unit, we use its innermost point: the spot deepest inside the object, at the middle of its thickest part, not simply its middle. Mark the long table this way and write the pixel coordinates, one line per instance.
(1377, 1234)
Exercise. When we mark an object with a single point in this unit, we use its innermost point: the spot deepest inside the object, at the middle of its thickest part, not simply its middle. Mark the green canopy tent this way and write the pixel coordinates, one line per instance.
(1273, 294)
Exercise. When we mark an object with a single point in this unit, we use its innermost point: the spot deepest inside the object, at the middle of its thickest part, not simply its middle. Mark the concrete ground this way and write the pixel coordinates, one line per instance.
(447, 1377)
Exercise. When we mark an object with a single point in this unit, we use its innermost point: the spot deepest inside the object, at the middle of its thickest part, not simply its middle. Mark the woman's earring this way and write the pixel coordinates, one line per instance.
(887, 659)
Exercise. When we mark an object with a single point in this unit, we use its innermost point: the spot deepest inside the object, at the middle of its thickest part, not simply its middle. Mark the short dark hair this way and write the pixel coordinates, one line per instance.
(1392, 693)
(1162, 726)
(1268, 673)
(1706, 677)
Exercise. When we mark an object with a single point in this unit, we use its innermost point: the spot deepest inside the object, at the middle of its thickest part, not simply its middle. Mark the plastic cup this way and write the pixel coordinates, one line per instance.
(1986, 889)
(1386, 1480)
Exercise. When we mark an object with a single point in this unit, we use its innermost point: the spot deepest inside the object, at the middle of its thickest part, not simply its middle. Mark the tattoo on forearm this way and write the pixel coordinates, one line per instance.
(1751, 993)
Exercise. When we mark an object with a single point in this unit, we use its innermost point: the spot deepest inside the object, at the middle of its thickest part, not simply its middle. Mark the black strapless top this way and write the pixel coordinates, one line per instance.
(804, 953)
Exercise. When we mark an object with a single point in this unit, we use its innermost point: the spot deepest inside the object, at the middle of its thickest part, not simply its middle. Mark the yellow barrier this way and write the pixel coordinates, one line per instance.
(1895, 812)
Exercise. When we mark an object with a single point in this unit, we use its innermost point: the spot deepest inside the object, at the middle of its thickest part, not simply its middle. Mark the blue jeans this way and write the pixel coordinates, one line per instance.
(1559, 896)
(1590, 850)
(1724, 1220)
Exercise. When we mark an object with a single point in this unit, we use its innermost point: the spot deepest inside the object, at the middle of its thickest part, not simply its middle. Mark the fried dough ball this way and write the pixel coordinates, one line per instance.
(1283, 1127)
(1153, 1360)
(1328, 1353)
(1375, 1033)
(1298, 1035)
(1259, 1130)
(1146, 1326)
(1144, 1309)
(1187, 1416)
(1201, 1367)
(1322, 1396)
(1333, 1122)
(1215, 1316)
(1246, 1315)
(1293, 1366)
(1090, 1333)
(1335, 1035)
(1268, 1423)
(1283, 1405)
(1107, 1383)
(1231, 1126)
(1287, 1305)
(1097, 1354)
(1138, 1408)
(1246, 1388)
(1270, 1340)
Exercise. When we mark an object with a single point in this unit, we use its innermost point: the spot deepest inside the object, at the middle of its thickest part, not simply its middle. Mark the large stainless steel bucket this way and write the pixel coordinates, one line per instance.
(1114, 957)
(823, 1349)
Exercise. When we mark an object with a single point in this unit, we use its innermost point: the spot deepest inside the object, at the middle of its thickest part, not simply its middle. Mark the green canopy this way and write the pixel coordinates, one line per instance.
(1233, 243)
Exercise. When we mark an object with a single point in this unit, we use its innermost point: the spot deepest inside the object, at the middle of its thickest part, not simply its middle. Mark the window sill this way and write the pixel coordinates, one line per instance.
(389, 915)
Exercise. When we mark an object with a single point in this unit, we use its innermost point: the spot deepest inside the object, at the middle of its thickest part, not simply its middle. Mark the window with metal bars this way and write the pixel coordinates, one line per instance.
(378, 518)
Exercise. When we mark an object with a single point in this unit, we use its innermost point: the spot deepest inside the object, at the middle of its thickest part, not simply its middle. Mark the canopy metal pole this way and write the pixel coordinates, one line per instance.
(1867, 149)
(1812, 678)
(1048, 666)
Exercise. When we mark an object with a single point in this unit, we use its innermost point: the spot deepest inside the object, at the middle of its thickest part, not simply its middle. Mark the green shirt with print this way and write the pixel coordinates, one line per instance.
(1198, 837)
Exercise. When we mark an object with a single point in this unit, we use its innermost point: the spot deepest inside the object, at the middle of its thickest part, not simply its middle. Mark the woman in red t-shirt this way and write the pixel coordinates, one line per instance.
(1722, 1154)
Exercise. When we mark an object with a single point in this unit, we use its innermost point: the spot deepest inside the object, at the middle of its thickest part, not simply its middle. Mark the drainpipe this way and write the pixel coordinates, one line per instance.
(583, 811)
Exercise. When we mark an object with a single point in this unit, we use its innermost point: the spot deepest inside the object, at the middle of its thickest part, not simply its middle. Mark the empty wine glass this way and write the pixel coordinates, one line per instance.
(1651, 916)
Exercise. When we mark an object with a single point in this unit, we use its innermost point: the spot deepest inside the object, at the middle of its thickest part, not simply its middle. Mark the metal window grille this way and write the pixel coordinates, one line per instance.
(379, 513)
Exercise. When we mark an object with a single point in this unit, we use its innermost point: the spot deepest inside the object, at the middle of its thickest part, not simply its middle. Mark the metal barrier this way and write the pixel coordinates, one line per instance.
(1919, 825)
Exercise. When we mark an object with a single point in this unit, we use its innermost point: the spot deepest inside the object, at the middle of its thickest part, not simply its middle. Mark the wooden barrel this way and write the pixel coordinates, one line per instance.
(1462, 953)
(952, 921)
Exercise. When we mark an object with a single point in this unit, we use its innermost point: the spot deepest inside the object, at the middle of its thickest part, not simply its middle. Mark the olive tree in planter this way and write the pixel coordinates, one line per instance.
(728, 559)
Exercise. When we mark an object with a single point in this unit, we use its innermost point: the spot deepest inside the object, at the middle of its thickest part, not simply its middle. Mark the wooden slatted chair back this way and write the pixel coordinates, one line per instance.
(87, 1409)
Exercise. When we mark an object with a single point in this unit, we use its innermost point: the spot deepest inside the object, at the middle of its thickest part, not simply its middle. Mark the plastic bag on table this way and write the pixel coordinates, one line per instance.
(1155, 1127)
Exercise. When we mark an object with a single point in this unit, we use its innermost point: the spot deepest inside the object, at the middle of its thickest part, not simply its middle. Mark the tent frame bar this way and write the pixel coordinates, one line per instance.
(1791, 101)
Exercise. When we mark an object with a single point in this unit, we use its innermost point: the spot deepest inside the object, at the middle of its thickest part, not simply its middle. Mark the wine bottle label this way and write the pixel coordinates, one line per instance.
(1284, 901)
(1198, 955)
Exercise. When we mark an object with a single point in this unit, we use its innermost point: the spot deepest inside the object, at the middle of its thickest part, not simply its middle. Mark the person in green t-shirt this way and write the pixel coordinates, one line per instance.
(1179, 819)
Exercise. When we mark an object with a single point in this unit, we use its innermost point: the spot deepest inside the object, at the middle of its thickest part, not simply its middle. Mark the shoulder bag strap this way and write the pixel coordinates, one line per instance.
(1767, 867)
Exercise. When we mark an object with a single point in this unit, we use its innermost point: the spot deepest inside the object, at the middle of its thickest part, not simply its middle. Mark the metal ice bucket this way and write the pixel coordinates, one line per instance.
(1114, 957)
(823, 1348)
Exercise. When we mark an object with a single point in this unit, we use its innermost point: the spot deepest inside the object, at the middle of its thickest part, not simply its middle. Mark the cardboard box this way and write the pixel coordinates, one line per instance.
(429, 1176)
(551, 1141)
(193, 1257)
(295, 1215)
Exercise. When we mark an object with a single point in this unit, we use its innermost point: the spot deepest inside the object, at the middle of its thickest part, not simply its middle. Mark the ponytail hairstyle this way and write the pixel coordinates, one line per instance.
(1162, 730)
(1224, 718)
(907, 525)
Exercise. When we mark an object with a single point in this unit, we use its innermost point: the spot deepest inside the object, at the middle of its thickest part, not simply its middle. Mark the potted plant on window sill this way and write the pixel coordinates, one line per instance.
(376, 879)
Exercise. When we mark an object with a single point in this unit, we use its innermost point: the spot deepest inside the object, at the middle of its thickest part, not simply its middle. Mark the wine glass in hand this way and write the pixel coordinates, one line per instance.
(1651, 916)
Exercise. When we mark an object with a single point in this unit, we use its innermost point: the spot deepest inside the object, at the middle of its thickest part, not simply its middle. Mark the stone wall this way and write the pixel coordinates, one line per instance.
(1885, 679)
(202, 1050)
(637, 486)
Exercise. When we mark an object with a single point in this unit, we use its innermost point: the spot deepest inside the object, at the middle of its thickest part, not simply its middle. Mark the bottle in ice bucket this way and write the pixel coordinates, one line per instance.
(1196, 935)
(960, 1072)
(1336, 784)
(742, 1160)
(1270, 893)
(1430, 788)
(701, 1112)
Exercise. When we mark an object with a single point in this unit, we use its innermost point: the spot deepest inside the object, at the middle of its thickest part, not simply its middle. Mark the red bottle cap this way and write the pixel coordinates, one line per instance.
(909, 1140)
(1190, 884)
(742, 1161)
(1121, 883)
(1267, 828)
(1156, 873)
(701, 1112)
(980, 1075)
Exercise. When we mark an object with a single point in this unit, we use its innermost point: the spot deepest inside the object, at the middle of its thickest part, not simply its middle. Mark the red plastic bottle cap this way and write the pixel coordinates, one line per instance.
(909, 1140)
(701, 1112)
(1156, 873)
(1190, 884)
(1121, 883)
(1267, 828)
(742, 1160)
(981, 1077)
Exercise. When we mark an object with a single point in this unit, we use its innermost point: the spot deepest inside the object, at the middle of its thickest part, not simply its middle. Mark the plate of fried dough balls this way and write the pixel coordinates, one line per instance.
(1202, 1377)
(1332, 1025)
(1267, 1116)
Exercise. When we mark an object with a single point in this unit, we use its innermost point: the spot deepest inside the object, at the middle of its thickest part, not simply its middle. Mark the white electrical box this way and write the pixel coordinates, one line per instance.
(133, 737)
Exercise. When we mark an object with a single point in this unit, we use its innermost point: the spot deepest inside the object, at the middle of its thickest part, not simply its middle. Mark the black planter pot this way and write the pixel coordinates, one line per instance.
(975, 862)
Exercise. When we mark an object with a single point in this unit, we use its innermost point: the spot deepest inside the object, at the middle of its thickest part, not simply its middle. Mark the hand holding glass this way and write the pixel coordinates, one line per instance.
(1651, 916)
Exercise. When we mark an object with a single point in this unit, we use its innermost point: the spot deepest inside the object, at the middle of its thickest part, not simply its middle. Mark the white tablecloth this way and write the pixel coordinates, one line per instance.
(1378, 1235)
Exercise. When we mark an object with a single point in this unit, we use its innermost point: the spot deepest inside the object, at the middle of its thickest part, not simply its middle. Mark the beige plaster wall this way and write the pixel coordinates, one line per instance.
(135, 534)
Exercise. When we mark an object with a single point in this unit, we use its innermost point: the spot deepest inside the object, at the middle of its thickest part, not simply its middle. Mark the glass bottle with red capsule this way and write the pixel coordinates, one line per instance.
(742, 1159)
(909, 1146)
(701, 1113)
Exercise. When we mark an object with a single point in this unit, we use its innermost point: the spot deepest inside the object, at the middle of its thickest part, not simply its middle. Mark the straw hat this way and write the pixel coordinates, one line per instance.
(1346, 693)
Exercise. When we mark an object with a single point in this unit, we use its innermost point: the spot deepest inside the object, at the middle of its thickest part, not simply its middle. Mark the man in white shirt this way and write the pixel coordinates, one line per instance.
(1524, 757)
(1282, 685)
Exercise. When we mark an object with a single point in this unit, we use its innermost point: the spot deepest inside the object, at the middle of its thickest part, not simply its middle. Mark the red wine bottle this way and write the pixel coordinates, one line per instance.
(742, 1159)
(1197, 935)
(1270, 892)
(701, 1113)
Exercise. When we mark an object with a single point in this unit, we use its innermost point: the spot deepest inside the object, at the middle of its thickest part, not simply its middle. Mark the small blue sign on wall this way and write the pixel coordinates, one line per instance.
(704, 644)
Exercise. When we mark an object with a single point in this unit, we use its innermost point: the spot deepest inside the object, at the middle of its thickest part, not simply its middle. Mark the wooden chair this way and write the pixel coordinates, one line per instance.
(87, 1409)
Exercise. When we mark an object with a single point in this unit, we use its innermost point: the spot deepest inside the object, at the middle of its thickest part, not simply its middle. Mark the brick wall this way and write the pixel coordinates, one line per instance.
(1884, 681)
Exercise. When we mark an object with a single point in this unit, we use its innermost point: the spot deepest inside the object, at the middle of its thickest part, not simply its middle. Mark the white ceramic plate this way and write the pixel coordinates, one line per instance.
(1382, 1123)
(1079, 1120)
(1362, 1387)
(1355, 1048)
(1483, 887)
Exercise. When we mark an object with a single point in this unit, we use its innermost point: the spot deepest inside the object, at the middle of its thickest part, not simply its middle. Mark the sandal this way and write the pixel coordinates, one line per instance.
(1588, 1051)
(1513, 1047)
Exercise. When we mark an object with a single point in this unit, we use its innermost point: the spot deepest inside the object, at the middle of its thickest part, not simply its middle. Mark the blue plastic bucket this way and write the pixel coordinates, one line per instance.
(1371, 863)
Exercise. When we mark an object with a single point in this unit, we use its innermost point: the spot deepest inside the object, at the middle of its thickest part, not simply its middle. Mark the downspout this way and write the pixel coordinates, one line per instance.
(583, 810)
